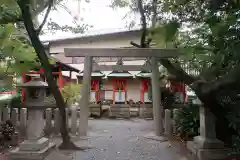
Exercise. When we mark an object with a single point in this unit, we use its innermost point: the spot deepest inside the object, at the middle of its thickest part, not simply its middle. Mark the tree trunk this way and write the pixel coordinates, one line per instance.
(39, 48)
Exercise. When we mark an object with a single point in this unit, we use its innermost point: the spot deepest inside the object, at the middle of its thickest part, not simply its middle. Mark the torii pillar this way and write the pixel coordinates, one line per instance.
(85, 96)
(156, 96)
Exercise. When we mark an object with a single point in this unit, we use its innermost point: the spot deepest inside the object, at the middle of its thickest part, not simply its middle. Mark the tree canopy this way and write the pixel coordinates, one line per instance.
(207, 35)
(16, 52)
(21, 16)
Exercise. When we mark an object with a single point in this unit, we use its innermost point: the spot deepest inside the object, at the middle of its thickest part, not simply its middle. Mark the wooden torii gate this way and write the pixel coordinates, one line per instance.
(89, 53)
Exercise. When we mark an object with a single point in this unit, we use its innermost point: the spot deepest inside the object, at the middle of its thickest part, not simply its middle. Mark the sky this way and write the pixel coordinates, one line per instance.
(96, 13)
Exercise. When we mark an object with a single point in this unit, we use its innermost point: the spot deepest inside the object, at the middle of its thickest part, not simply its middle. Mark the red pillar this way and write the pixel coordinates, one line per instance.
(60, 79)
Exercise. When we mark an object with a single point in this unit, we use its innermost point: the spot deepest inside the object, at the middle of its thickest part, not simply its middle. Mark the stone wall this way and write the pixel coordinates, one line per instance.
(95, 109)
(119, 110)
(146, 111)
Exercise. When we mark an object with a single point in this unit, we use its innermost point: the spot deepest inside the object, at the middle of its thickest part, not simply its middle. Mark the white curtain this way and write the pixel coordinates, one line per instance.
(146, 97)
(120, 96)
(93, 97)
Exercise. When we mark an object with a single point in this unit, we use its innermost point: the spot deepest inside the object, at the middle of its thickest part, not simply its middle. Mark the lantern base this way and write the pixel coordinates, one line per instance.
(37, 150)
(36, 145)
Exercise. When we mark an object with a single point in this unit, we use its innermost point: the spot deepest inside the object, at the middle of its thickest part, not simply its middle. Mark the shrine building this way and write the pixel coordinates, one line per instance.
(117, 85)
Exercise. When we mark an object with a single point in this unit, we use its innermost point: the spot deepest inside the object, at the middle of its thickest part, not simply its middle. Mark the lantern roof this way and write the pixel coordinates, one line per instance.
(36, 82)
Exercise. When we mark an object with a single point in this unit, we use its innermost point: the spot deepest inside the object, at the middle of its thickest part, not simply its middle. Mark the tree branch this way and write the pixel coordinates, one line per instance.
(45, 17)
(8, 66)
(229, 80)
(180, 74)
(41, 8)
(13, 20)
(19, 18)
(144, 24)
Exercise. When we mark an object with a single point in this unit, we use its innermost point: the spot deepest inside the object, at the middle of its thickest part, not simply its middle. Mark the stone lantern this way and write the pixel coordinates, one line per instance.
(35, 146)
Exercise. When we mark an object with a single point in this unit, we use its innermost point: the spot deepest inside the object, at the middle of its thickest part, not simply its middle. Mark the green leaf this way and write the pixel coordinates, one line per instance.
(71, 92)
(171, 30)
(180, 2)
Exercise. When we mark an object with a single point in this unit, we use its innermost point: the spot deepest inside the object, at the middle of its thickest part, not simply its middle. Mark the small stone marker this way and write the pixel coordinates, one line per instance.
(74, 120)
(56, 121)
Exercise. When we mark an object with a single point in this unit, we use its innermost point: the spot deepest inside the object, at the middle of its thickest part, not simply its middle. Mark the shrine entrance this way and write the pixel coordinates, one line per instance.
(150, 53)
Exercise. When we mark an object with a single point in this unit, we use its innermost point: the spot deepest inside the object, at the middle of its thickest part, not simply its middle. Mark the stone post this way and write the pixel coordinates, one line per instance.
(175, 112)
(206, 146)
(207, 137)
(56, 121)
(67, 118)
(23, 122)
(74, 120)
(6, 115)
(48, 124)
(157, 108)
(85, 92)
(1, 113)
(78, 119)
(168, 123)
(14, 116)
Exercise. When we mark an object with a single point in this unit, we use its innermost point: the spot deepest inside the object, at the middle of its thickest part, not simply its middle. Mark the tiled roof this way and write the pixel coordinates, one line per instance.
(105, 32)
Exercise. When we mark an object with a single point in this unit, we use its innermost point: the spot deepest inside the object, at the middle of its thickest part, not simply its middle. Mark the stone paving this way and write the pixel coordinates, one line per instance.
(123, 140)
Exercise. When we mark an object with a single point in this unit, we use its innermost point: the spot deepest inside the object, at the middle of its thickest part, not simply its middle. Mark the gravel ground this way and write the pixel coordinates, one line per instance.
(124, 140)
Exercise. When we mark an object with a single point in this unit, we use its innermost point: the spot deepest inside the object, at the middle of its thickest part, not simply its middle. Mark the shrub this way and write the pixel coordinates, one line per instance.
(188, 120)
(71, 93)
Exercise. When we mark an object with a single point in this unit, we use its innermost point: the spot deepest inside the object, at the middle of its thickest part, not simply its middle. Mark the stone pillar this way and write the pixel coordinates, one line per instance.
(14, 116)
(156, 95)
(67, 118)
(175, 112)
(1, 113)
(207, 137)
(206, 146)
(168, 123)
(48, 124)
(6, 115)
(74, 120)
(23, 121)
(56, 121)
(85, 92)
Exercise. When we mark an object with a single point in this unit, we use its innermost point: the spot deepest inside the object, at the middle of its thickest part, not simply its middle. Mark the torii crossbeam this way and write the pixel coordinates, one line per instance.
(120, 67)
(121, 52)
